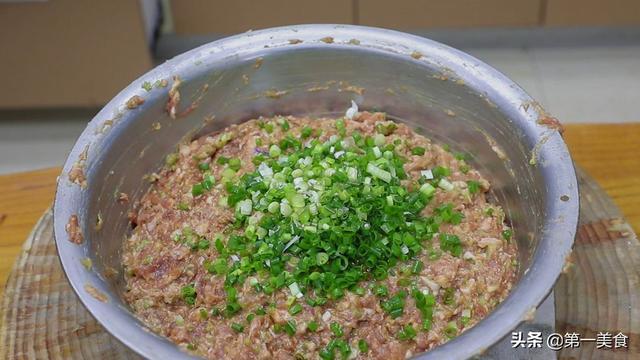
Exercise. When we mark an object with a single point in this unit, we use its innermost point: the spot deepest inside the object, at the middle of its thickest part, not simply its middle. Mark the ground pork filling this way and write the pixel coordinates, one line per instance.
(304, 238)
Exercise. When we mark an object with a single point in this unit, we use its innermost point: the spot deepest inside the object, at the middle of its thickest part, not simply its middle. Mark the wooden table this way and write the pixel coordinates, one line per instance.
(609, 153)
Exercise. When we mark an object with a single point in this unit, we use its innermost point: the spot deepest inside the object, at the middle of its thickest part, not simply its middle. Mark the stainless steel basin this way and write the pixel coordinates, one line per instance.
(318, 69)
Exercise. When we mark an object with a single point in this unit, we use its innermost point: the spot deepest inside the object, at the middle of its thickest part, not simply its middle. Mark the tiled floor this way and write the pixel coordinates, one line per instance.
(589, 75)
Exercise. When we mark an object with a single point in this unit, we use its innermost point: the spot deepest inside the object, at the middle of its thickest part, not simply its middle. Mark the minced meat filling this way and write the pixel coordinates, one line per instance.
(300, 238)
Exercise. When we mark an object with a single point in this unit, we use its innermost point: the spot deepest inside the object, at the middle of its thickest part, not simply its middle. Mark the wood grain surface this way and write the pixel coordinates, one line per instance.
(23, 199)
(41, 318)
(599, 292)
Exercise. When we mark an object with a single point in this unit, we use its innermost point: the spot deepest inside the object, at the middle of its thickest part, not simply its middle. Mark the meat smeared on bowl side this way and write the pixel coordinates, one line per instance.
(292, 237)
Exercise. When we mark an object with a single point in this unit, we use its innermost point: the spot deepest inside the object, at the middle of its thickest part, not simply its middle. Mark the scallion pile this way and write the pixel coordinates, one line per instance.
(319, 217)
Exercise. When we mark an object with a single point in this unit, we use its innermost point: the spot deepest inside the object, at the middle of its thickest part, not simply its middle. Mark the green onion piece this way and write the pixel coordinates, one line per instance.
(189, 294)
(273, 207)
(203, 314)
(449, 296)
(451, 243)
(336, 329)
(363, 346)
(274, 151)
(417, 267)
(378, 173)
(418, 150)
(235, 164)
(440, 171)
(322, 258)
(460, 156)
(295, 309)
(473, 186)
(395, 305)
(197, 189)
(172, 159)
(203, 166)
(147, 86)
(306, 132)
(427, 189)
(237, 327)
(285, 209)
(183, 206)
(506, 234)
(290, 327)
(386, 128)
(312, 326)
(407, 333)
(451, 330)
(444, 184)
(381, 291)
(250, 318)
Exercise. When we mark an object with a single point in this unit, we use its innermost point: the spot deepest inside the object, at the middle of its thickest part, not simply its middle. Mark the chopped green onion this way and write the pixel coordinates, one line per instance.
(506, 234)
(285, 209)
(183, 206)
(306, 132)
(451, 330)
(312, 326)
(473, 186)
(449, 296)
(417, 267)
(172, 159)
(444, 184)
(324, 216)
(427, 189)
(273, 207)
(322, 258)
(290, 327)
(295, 309)
(336, 329)
(274, 151)
(189, 294)
(250, 318)
(381, 290)
(203, 314)
(147, 86)
(197, 190)
(235, 164)
(378, 173)
(451, 243)
(407, 333)
(395, 305)
(237, 327)
(295, 290)
(363, 346)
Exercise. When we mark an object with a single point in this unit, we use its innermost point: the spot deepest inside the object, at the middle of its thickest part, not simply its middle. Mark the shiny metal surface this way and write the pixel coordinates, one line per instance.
(439, 91)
